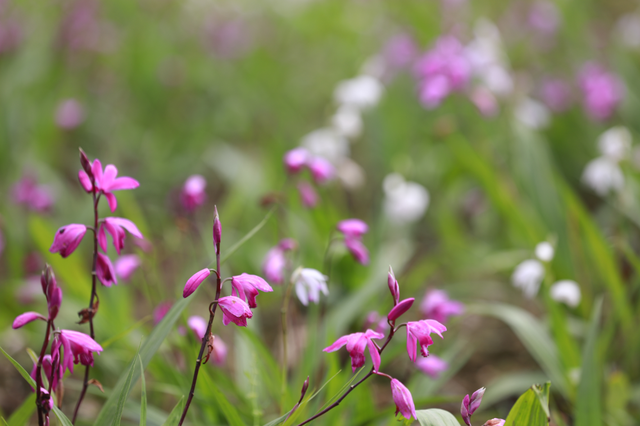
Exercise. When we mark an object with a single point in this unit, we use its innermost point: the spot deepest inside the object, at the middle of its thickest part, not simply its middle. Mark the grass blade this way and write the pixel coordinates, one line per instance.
(174, 416)
(21, 416)
(143, 395)
(588, 408)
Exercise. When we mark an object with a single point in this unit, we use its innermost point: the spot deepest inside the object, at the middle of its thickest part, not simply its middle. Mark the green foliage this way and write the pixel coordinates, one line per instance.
(174, 416)
(436, 417)
(21, 416)
(588, 408)
(532, 408)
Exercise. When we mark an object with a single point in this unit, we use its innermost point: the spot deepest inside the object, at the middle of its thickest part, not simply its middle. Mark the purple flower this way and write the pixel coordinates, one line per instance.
(357, 250)
(556, 94)
(470, 405)
(69, 114)
(400, 309)
(126, 265)
(437, 305)
(275, 261)
(47, 364)
(195, 280)
(403, 400)
(81, 346)
(353, 227)
(603, 91)
(37, 197)
(321, 170)
(105, 271)
(26, 318)
(296, 159)
(308, 195)
(67, 239)
(356, 345)
(160, 311)
(400, 51)
(420, 332)
(106, 182)
(116, 227)
(192, 195)
(432, 365)
(234, 310)
(246, 287)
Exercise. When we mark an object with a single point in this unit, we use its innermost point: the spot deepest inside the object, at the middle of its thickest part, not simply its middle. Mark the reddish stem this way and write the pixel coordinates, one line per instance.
(39, 405)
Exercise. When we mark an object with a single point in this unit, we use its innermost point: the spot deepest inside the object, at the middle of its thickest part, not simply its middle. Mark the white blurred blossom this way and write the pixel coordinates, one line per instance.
(628, 30)
(615, 143)
(309, 283)
(603, 175)
(545, 251)
(327, 143)
(532, 114)
(567, 292)
(528, 276)
(361, 92)
(404, 202)
(347, 121)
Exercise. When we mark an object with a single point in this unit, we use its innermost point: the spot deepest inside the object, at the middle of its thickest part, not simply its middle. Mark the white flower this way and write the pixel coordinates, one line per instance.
(347, 121)
(361, 92)
(404, 202)
(545, 251)
(309, 283)
(327, 143)
(628, 29)
(603, 175)
(615, 143)
(567, 292)
(527, 276)
(532, 113)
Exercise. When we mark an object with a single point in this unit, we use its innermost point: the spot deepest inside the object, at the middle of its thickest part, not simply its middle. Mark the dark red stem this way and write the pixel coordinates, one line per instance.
(39, 405)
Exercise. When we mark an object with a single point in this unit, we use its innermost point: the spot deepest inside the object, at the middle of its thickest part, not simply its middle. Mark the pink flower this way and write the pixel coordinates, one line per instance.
(46, 366)
(234, 310)
(246, 287)
(195, 280)
(26, 318)
(296, 159)
(357, 250)
(432, 365)
(69, 114)
(308, 195)
(126, 265)
(105, 271)
(437, 305)
(420, 332)
(81, 346)
(67, 239)
(353, 227)
(192, 195)
(470, 405)
(198, 325)
(400, 309)
(356, 345)
(400, 51)
(485, 101)
(394, 288)
(556, 94)
(275, 261)
(603, 91)
(495, 422)
(116, 227)
(160, 311)
(321, 170)
(37, 197)
(106, 182)
(403, 400)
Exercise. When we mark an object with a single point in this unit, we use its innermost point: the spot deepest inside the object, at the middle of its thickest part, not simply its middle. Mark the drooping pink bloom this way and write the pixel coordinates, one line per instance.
(394, 287)
(357, 250)
(275, 261)
(46, 366)
(80, 345)
(296, 159)
(470, 405)
(353, 227)
(602, 91)
(437, 305)
(400, 309)
(308, 195)
(67, 239)
(105, 271)
(403, 400)
(198, 325)
(432, 365)
(321, 170)
(126, 265)
(106, 182)
(495, 422)
(116, 227)
(27, 192)
(556, 94)
(400, 51)
(356, 345)
(234, 310)
(69, 114)
(420, 332)
(26, 318)
(160, 311)
(193, 193)
(246, 286)
(195, 280)
(217, 229)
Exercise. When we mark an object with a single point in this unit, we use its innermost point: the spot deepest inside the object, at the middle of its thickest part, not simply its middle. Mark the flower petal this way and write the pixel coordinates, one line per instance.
(26, 318)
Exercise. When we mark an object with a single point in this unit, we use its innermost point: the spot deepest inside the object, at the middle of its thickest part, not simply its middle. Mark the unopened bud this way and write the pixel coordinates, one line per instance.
(47, 278)
(305, 386)
(476, 400)
(86, 164)
(400, 309)
(394, 288)
(217, 229)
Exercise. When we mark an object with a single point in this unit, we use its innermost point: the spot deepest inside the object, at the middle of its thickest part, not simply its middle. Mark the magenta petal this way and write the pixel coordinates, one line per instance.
(126, 265)
(403, 399)
(105, 271)
(111, 199)
(67, 239)
(375, 355)
(353, 227)
(198, 325)
(110, 173)
(102, 238)
(337, 344)
(26, 318)
(357, 250)
(400, 309)
(126, 224)
(195, 280)
(96, 169)
(85, 181)
(123, 183)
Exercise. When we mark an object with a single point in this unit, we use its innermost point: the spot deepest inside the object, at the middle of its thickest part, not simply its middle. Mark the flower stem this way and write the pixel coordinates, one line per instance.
(39, 406)
(205, 339)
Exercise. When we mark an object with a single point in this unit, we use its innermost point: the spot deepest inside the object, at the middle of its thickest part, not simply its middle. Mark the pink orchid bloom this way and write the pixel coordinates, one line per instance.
(470, 405)
(80, 345)
(296, 159)
(355, 228)
(432, 365)
(394, 287)
(160, 311)
(275, 261)
(400, 309)
(105, 271)
(356, 344)
(26, 318)
(357, 250)
(193, 193)
(198, 325)
(602, 90)
(234, 310)
(495, 422)
(195, 280)
(116, 227)
(321, 170)
(67, 239)
(126, 265)
(403, 400)
(308, 195)
(246, 287)
(37, 197)
(419, 332)
(106, 182)
(437, 305)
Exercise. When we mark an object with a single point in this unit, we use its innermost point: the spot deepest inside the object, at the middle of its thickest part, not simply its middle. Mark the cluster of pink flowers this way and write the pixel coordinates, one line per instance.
(321, 171)
(353, 230)
(28, 193)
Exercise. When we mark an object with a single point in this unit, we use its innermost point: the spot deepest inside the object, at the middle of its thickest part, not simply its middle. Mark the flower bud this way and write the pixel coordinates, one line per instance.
(217, 230)
(305, 386)
(393, 286)
(400, 309)
(86, 164)
(47, 278)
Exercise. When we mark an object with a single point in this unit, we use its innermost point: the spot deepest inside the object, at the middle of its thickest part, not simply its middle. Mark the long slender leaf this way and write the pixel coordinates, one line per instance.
(436, 417)
(21, 370)
(143, 395)
(21, 416)
(588, 408)
(532, 408)
(61, 417)
(228, 410)
(124, 393)
(174, 416)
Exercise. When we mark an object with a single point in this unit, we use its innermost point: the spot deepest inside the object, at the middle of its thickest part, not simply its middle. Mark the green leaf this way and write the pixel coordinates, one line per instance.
(61, 417)
(279, 420)
(21, 370)
(143, 395)
(21, 416)
(176, 413)
(124, 393)
(532, 408)
(588, 408)
(436, 417)
(228, 409)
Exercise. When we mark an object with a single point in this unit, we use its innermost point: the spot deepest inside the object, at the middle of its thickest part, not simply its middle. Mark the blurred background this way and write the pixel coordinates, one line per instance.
(465, 133)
